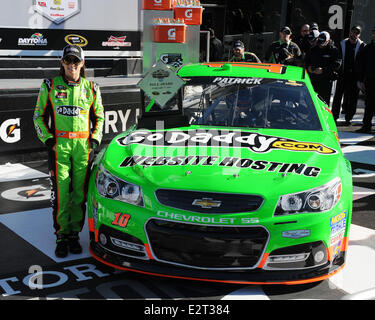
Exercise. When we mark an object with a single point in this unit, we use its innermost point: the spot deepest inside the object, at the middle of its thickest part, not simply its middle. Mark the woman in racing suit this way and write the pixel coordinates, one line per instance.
(66, 107)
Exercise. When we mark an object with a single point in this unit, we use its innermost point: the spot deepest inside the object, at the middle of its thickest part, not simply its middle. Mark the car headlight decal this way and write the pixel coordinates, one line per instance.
(111, 187)
(319, 199)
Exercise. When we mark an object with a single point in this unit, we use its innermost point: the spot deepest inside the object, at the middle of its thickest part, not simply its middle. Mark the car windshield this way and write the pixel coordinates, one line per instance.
(250, 102)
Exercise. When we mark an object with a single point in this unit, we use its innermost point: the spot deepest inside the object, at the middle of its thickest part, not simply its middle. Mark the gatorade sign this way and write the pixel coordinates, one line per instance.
(169, 33)
(191, 15)
(10, 131)
(157, 4)
(172, 34)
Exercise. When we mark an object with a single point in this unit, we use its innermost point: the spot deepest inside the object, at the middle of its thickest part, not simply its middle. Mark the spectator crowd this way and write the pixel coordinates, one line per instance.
(350, 64)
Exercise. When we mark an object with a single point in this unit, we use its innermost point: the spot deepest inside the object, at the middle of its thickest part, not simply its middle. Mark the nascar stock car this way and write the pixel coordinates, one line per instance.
(238, 178)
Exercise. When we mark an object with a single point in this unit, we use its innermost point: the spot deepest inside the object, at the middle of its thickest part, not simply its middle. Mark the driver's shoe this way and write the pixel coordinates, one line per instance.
(61, 250)
(74, 245)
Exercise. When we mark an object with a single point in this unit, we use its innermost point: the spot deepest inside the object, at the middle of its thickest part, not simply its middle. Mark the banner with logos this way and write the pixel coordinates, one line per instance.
(44, 27)
(57, 39)
(17, 131)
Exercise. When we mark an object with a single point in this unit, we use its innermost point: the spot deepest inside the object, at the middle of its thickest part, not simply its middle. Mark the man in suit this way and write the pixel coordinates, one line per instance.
(346, 85)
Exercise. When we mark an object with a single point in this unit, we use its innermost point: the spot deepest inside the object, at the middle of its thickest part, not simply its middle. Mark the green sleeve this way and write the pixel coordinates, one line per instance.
(97, 115)
(42, 114)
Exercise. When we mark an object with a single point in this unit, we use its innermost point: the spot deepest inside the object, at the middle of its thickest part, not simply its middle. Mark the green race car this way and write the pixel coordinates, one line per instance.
(238, 178)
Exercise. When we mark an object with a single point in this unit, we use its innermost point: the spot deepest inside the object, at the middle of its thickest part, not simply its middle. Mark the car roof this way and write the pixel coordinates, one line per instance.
(243, 69)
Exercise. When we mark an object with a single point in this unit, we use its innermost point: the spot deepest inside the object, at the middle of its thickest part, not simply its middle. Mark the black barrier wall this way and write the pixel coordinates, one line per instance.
(18, 140)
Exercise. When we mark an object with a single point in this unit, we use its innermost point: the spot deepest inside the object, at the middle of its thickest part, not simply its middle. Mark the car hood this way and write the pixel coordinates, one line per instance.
(217, 160)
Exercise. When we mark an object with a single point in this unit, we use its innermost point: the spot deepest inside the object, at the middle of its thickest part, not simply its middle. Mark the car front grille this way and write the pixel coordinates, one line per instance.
(209, 202)
(206, 247)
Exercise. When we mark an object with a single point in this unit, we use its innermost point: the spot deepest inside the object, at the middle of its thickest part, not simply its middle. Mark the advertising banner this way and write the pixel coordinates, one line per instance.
(44, 27)
(57, 39)
(17, 131)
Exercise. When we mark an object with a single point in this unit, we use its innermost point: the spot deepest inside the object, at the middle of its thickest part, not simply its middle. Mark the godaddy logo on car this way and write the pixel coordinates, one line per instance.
(69, 111)
(220, 138)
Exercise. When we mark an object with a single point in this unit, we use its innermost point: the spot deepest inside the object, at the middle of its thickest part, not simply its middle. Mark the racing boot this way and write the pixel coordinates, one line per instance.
(74, 245)
(61, 250)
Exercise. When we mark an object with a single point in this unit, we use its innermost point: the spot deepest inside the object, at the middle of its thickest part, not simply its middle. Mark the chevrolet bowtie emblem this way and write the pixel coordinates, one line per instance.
(207, 203)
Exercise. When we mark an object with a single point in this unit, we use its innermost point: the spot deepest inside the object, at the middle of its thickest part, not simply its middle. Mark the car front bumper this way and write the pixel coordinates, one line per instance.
(225, 261)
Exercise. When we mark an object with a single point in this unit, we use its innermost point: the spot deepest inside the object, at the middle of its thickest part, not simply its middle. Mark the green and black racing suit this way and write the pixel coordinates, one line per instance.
(69, 118)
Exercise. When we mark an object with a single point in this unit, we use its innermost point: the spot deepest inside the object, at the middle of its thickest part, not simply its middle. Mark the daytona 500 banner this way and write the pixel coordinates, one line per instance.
(57, 39)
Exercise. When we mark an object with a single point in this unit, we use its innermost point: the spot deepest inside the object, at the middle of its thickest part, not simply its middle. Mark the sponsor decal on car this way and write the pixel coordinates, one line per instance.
(231, 81)
(338, 226)
(203, 219)
(207, 203)
(256, 142)
(269, 166)
(338, 223)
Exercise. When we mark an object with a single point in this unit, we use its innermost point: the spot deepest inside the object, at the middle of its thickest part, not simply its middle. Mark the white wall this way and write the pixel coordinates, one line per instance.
(94, 15)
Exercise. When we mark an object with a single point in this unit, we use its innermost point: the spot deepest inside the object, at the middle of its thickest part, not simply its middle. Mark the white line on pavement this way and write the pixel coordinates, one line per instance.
(16, 171)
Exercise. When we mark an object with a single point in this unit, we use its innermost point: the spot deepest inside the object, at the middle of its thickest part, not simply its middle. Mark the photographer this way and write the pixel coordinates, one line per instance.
(284, 51)
(302, 40)
(323, 62)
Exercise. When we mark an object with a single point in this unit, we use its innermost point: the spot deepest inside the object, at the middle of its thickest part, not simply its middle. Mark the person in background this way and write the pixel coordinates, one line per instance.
(314, 26)
(66, 106)
(239, 53)
(284, 51)
(302, 40)
(312, 39)
(347, 82)
(216, 47)
(313, 36)
(323, 63)
(366, 75)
